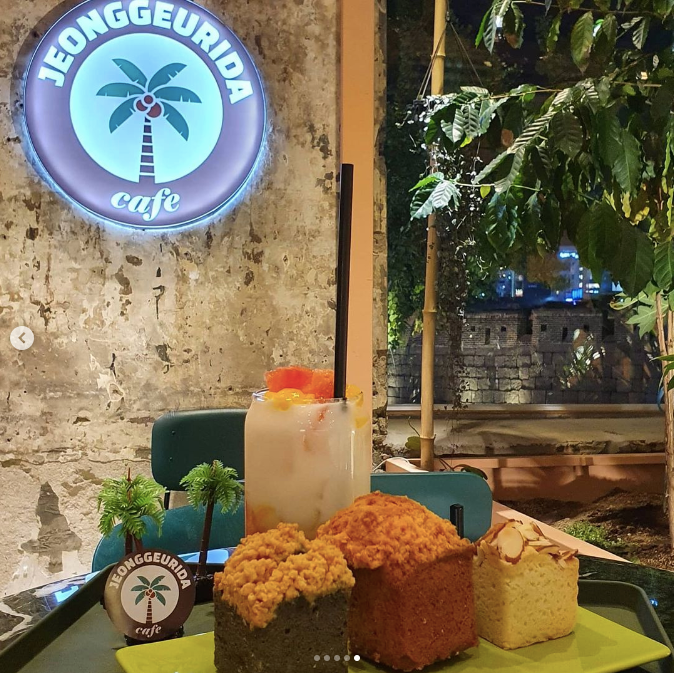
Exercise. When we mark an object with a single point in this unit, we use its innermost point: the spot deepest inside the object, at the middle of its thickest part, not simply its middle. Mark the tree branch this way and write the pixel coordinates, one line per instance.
(621, 12)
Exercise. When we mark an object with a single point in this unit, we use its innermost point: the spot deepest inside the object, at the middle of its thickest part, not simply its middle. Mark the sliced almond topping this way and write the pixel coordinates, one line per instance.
(551, 549)
(511, 544)
(537, 528)
(493, 531)
(529, 533)
(562, 562)
(480, 555)
(540, 543)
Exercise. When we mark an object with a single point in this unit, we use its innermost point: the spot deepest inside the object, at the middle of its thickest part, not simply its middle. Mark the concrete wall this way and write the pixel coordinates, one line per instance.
(130, 325)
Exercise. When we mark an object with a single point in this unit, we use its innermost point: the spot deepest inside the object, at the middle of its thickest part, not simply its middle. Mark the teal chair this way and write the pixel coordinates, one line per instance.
(183, 439)
(181, 534)
(439, 491)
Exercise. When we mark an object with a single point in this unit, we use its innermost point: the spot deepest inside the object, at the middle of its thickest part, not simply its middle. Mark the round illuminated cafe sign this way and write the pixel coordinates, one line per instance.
(149, 595)
(146, 113)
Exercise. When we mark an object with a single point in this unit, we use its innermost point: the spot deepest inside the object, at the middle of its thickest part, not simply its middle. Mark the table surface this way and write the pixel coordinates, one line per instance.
(21, 611)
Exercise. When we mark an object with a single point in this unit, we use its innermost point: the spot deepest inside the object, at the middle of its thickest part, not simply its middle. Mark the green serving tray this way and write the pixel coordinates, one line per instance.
(597, 645)
(78, 635)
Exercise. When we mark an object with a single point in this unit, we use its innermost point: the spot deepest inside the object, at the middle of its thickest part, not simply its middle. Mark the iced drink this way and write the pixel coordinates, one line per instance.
(307, 456)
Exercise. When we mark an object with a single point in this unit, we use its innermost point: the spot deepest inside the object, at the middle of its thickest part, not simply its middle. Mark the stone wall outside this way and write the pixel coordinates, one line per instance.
(516, 357)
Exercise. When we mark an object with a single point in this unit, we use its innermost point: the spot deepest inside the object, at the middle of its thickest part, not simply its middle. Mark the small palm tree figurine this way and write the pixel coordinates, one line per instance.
(126, 501)
(211, 485)
(150, 591)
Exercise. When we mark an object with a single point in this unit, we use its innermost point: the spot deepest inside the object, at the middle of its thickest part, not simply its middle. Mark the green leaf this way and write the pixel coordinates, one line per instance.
(413, 446)
(553, 33)
(552, 221)
(176, 120)
(161, 599)
(157, 580)
(139, 587)
(119, 90)
(663, 7)
(422, 205)
(500, 222)
(568, 133)
(165, 75)
(604, 238)
(434, 123)
(483, 24)
(472, 470)
(627, 163)
(507, 181)
(663, 267)
(633, 265)
(458, 126)
(429, 180)
(133, 72)
(490, 168)
(641, 32)
(581, 40)
(139, 598)
(513, 25)
(605, 39)
(490, 29)
(496, 14)
(620, 150)
(532, 223)
(663, 100)
(177, 93)
(445, 192)
(645, 318)
(485, 190)
(582, 241)
(121, 114)
(597, 238)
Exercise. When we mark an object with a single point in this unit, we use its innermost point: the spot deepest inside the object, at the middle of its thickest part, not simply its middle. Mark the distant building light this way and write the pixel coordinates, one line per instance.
(565, 254)
(519, 292)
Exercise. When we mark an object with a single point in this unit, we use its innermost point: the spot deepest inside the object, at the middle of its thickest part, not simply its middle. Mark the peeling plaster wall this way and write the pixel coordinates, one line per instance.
(130, 325)
(380, 280)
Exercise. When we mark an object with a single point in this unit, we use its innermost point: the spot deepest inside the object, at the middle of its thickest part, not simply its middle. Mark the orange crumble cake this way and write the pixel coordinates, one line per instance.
(526, 587)
(413, 600)
(281, 602)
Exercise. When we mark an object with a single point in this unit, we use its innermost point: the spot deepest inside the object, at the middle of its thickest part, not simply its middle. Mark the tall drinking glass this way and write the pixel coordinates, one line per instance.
(305, 460)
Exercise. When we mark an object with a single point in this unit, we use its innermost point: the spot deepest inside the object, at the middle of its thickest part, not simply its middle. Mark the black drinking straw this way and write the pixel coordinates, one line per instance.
(343, 273)
(456, 517)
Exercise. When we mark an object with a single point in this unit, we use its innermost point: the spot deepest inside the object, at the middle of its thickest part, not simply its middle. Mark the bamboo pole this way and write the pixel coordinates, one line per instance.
(666, 342)
(430, 291)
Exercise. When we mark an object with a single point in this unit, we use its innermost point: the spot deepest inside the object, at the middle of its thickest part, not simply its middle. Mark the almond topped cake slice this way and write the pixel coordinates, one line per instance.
(526, 586)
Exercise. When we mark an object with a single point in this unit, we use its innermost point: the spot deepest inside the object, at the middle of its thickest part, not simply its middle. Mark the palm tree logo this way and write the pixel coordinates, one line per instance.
(149, 99)
(149, 591)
